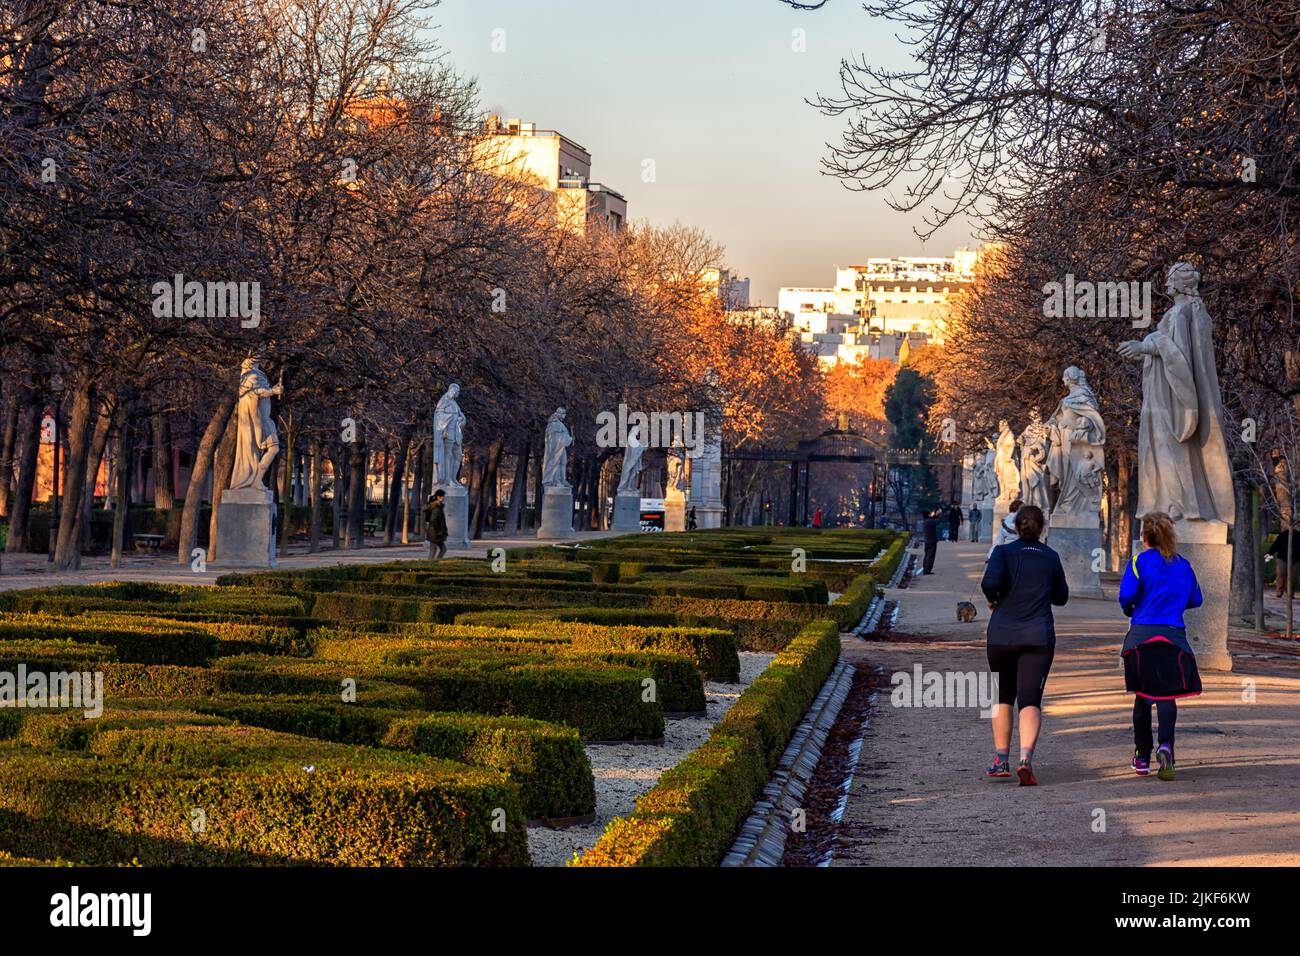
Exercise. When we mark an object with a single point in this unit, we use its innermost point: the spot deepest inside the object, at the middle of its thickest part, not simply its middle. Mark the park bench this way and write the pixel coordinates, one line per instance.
(147, 542)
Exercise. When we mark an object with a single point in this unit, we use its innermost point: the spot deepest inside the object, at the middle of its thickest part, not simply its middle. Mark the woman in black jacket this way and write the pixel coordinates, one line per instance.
(1022, 581)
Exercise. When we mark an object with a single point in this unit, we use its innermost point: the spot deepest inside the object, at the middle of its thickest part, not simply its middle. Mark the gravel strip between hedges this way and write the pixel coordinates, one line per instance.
(625, 771)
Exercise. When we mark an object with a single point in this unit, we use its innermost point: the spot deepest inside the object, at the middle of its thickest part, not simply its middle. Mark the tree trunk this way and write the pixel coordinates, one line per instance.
(518, 489)
(188, 537)
(122, 512)
(223, 470)
(13, 407)
(397, 487)
(317, 467)
(67, 551)
(336, 494)
(286, 485)
(1241, 599)
(20, 507)
(357, 496)
(103, 425)
(487, 486)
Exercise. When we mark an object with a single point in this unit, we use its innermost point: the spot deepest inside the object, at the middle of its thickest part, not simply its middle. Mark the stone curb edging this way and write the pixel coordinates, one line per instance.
(871, 620)
(899, 571)
(764, 833)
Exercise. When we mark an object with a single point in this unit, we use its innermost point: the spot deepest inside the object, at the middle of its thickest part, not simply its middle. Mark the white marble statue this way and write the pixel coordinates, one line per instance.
(1078, 454)
(1034, 444)
(555, 457)
(1004, 464)
(256, 443)
(984, 484)
(629, 480)
(448, 439)
(676, 469)
(1183, 467)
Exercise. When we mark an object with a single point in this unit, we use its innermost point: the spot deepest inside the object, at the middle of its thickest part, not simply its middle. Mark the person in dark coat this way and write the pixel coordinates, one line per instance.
(435, 525)
(930, 535)
(1278, 549)
(1022, 581)
(976, 516)
(954, 522)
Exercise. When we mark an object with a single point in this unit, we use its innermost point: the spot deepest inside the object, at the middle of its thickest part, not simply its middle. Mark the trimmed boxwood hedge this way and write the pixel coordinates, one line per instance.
(692, 814)
(546, 761)
(266, 798)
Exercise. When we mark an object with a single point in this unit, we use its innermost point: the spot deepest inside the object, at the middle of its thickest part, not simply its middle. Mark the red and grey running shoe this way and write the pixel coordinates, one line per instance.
(1026, 774)
(1000, 768)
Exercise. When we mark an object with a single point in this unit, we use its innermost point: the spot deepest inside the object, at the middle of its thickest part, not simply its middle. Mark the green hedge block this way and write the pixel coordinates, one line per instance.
(546, 761)
(136, 640)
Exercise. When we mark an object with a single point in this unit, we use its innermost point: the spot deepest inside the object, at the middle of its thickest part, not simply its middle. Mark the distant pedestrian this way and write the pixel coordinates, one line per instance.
(1159, 584)
(1281, 560)
(954, 522)
(435, 525)
(930, 535)
(817, 518)
(690, 519)
(976, 517)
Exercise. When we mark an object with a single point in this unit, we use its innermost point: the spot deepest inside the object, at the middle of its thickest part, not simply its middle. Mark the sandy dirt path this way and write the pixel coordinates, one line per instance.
(920, 798)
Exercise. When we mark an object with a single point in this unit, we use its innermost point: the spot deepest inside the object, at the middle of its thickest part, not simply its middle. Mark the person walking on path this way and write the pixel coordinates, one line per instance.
(976, 516)
(954, 522)
(930, 535)
(435, 525)
(817, 518)
(1005, 532)
(1282, 560)
(1023, 580)
(1159, 584)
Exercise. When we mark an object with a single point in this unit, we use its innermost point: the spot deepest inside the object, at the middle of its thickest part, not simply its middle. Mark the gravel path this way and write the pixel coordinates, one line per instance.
(625, 771)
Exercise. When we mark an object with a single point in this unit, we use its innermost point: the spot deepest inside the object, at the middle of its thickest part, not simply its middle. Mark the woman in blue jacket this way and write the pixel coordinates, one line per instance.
(1159, 665)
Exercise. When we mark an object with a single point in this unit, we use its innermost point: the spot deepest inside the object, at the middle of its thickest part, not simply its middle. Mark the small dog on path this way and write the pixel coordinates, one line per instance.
(965, 612)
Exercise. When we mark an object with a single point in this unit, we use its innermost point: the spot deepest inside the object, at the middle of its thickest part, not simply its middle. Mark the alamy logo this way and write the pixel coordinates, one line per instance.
(922, 688)
(1114, 300)
(177, 298)
(77, 690)
(653, 429)
(75, 908)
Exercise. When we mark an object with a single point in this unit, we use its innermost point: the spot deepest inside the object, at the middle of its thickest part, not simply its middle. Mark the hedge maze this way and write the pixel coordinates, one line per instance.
(415, 713)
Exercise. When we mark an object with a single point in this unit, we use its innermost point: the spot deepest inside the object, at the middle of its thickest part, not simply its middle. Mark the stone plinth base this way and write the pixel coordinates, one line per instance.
(675, 513)
(245, 523)
(1206, 545)
(708, 516)
(456, 509)
(987, 524)
(1077, 538)
(557, 514)
(627, 512)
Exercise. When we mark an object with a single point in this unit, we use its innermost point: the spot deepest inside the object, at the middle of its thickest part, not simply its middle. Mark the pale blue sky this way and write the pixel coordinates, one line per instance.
(713, 92)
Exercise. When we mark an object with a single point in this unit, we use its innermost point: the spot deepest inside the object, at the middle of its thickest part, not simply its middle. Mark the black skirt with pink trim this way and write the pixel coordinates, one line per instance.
(1159, 669)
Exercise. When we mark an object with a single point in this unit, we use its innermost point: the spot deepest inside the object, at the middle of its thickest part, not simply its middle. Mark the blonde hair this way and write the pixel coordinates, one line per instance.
(1158, 532)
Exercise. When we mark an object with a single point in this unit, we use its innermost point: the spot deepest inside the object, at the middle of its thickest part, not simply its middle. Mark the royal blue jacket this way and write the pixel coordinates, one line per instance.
(1155, 593)
(1024, 579)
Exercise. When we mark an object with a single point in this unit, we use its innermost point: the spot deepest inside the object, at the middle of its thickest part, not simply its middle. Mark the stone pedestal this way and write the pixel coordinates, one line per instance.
(987, 524)
(1207, 546)
(627, 512)
(456, 509)
(245, 522)
(675, 512)
(1076, 538)
(557, 515)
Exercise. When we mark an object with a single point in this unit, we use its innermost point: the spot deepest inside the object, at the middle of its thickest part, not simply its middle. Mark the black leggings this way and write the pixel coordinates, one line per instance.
(1022, 672)
(1166, 710)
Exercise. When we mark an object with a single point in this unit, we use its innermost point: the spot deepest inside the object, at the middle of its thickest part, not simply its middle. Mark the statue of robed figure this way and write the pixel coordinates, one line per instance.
(1183, 467)
(1077, 458)
(256, 442)
(555, 458)
(448, 440)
